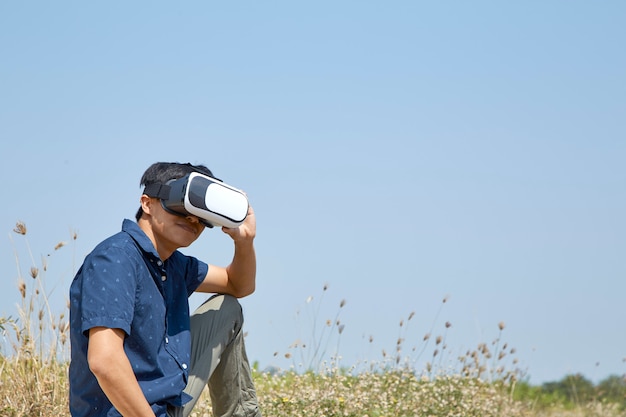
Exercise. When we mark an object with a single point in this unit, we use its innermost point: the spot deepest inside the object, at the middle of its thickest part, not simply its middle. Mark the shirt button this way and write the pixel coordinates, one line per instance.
(184, 365)
(163, 277)
(167, 340)
(159, 263)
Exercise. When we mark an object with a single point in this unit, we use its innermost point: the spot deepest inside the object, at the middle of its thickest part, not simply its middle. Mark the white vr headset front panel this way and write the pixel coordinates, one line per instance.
(216, 202)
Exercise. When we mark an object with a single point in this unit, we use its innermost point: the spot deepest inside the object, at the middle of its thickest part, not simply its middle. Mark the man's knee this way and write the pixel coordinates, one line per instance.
(231, 307)
(224, 306)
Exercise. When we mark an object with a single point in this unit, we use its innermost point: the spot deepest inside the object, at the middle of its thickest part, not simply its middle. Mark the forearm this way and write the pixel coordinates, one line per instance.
(121, 388)
(242, 269)
(111, 367)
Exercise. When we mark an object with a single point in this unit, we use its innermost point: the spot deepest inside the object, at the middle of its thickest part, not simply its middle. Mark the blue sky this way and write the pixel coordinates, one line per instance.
(398, 152)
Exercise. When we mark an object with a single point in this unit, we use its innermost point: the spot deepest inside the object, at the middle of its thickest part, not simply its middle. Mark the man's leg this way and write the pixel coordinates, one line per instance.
(218, 358)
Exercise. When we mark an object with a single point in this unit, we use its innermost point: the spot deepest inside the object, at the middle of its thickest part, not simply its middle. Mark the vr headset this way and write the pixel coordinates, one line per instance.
(209, 199)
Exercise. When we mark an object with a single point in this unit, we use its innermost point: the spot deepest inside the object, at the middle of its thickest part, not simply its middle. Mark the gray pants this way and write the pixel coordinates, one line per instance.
(219, 360)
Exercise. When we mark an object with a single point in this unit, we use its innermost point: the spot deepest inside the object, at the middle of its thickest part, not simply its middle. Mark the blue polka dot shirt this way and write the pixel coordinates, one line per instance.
(123, 284)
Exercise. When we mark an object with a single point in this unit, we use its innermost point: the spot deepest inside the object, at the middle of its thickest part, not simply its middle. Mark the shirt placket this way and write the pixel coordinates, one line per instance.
(164, 291)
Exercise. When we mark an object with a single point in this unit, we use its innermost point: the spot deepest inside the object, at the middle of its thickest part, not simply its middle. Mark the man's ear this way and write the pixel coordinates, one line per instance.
(147, 203)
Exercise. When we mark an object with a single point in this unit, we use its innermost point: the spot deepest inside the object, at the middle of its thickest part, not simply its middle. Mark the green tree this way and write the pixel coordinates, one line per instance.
(613, 389)
(575, 388)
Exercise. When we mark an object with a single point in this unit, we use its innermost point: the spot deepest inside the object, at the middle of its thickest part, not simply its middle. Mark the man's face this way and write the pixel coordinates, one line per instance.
(172, 230)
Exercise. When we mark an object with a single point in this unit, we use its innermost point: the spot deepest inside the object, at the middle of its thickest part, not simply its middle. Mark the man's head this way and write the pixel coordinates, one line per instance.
(162, 172)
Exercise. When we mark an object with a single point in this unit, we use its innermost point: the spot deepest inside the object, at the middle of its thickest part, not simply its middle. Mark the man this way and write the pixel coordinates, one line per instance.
(135, 350)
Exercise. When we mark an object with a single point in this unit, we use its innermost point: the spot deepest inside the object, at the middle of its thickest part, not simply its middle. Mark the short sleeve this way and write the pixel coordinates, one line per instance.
(109, 284)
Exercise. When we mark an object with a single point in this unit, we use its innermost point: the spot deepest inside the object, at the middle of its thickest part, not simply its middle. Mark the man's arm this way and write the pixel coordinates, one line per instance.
(109, 363)
(239, 278)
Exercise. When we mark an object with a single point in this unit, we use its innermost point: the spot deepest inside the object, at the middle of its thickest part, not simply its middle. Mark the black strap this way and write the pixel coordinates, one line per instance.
(161, 191)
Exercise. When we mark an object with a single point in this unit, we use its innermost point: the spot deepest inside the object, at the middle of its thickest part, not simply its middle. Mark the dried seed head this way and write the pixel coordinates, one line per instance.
(325, 287)
(371, 339)
(342, 303)
(328, 322)
(59, 245)
(21, 285)
(401, 323)
(340, 328)
(445, 299)
(426, 336)
(438, 340)
(501, 325)
(287, 355)
(436, 352)
(20, 228)
(448, 324)
(411, 315)
(34, 271)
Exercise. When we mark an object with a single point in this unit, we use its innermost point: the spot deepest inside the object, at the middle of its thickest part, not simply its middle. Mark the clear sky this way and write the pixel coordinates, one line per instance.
(399, 152)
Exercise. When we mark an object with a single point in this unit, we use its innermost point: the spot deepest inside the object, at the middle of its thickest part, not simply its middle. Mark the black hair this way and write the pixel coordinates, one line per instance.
(162, 172)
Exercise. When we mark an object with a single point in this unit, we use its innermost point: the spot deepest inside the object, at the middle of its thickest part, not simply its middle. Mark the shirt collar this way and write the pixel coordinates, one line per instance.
(139, 236)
